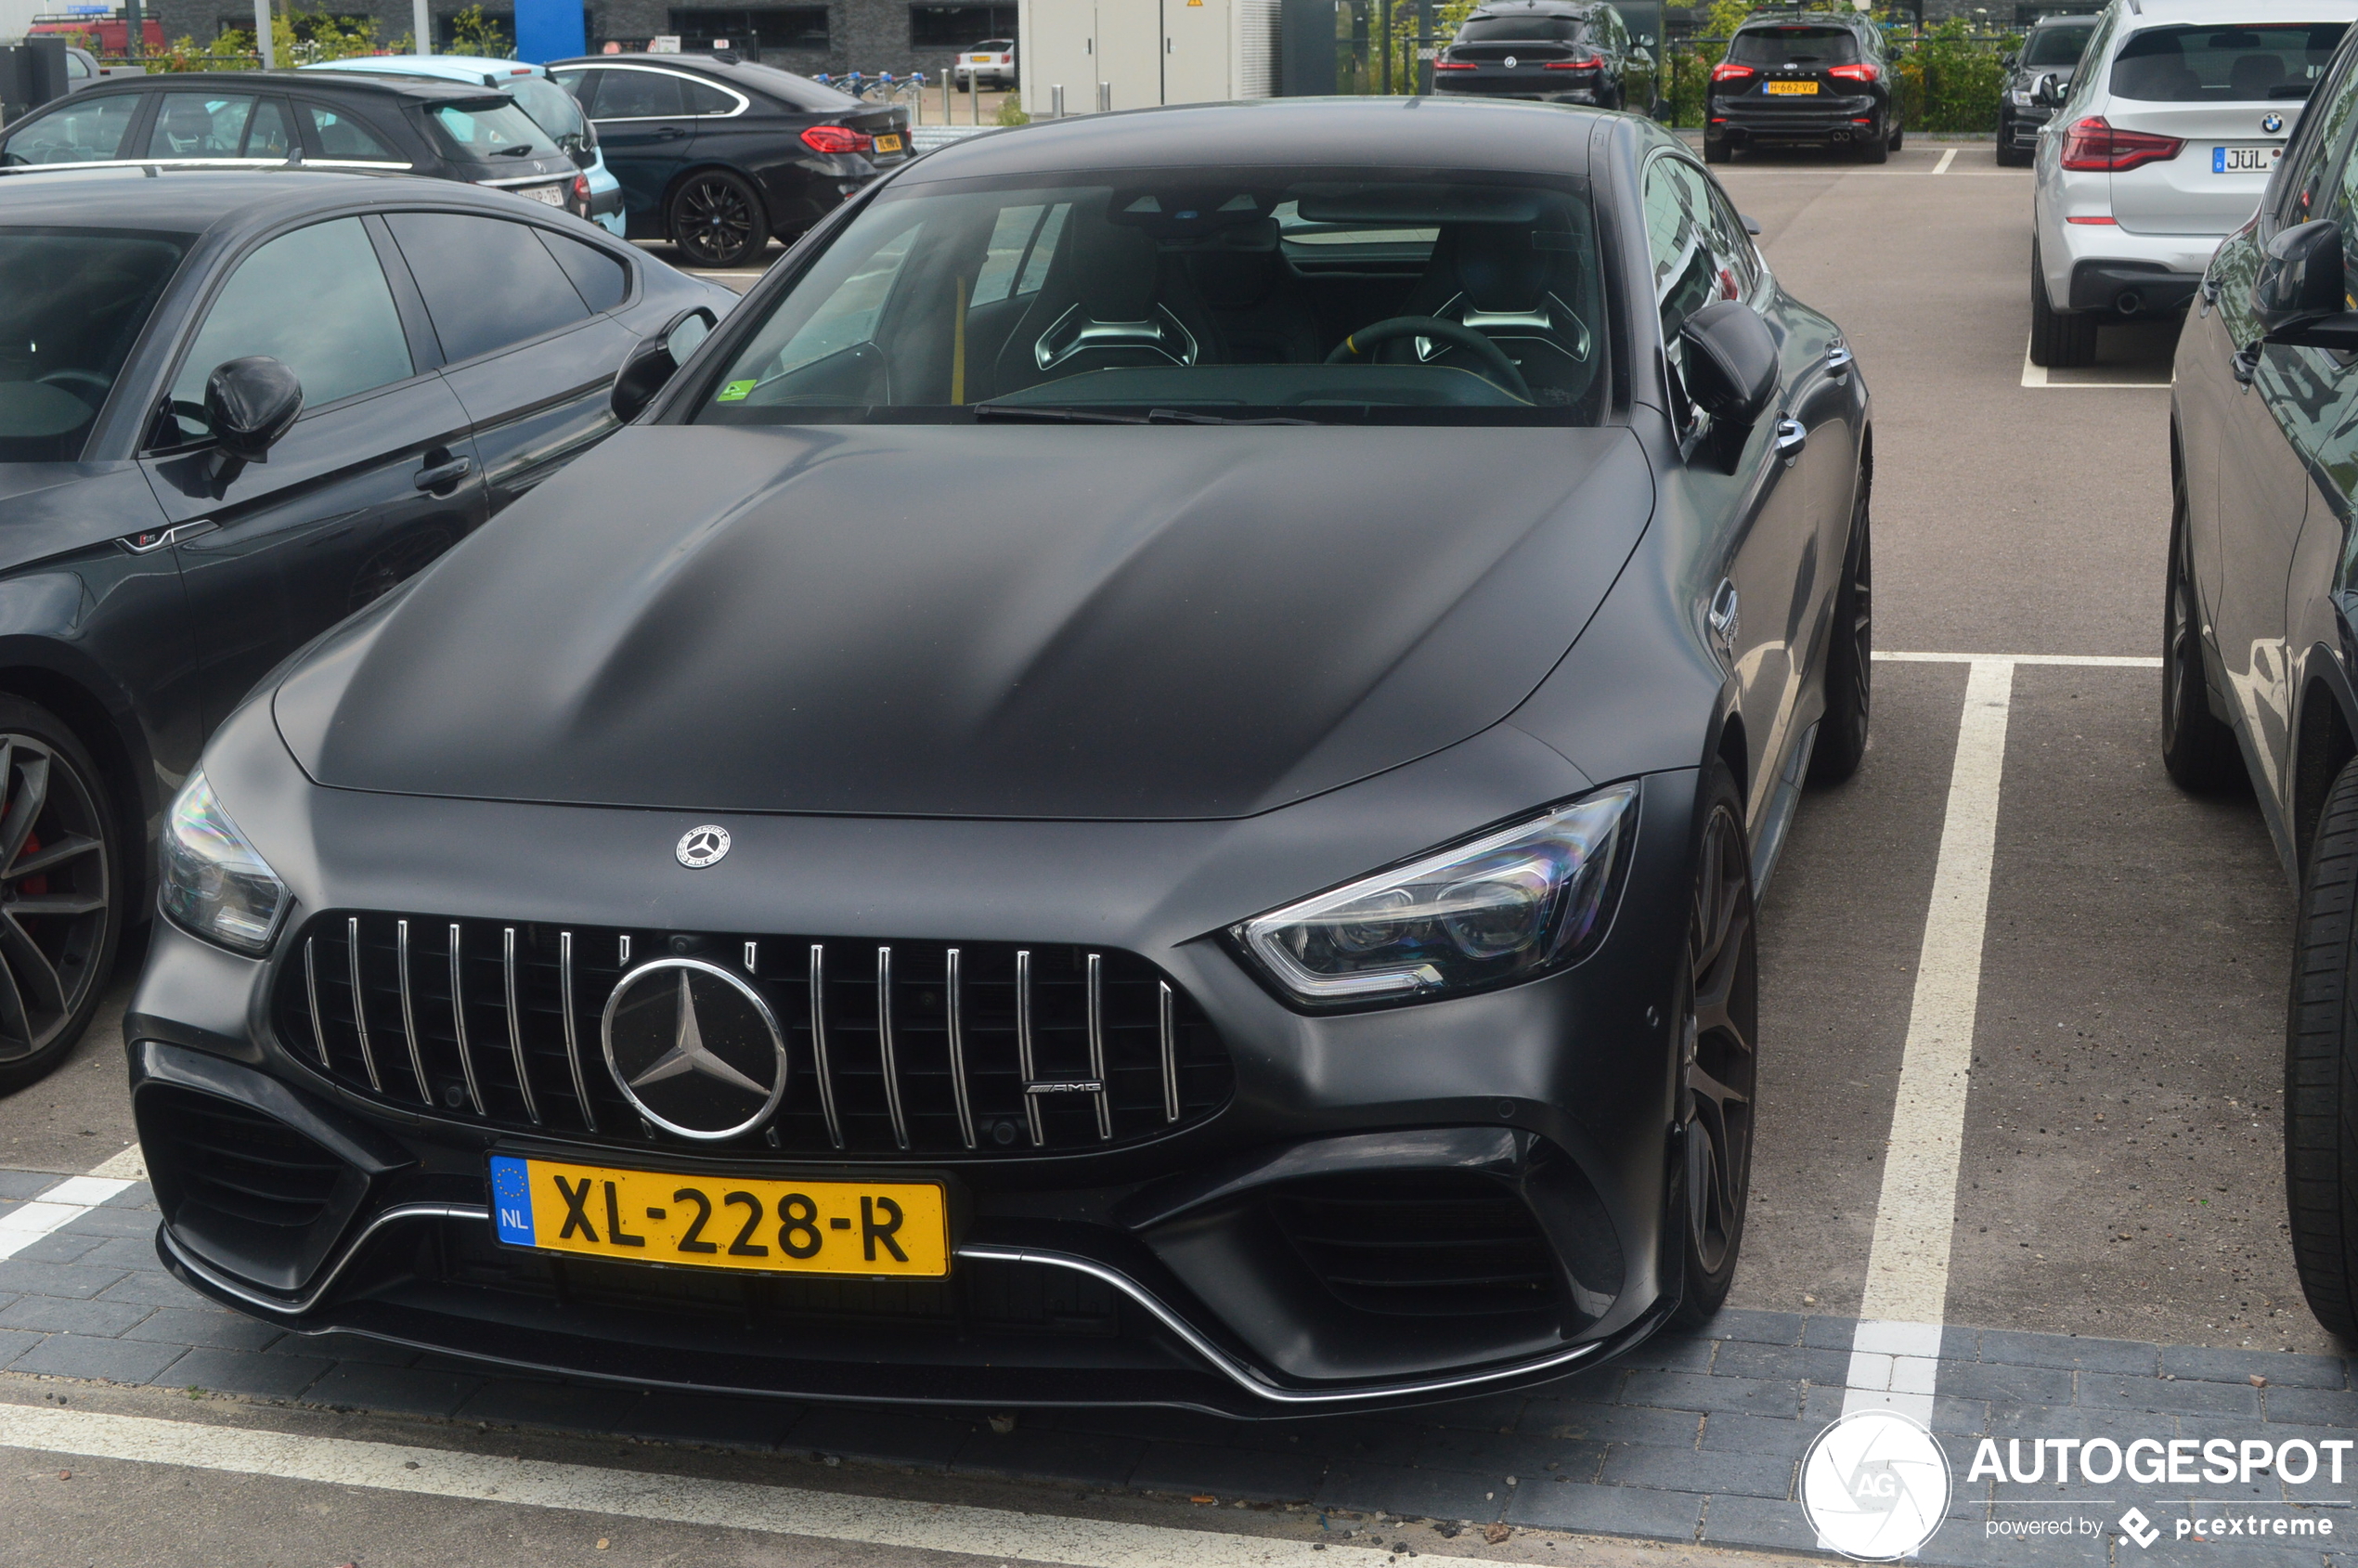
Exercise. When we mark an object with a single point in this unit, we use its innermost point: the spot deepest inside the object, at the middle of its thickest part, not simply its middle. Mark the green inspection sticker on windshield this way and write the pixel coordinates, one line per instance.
(734, 391)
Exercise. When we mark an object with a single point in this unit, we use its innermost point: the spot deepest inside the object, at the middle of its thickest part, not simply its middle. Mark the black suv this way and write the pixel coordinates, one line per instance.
(1814, 77)
(1555, 51)
(2053, 50)
(376, 124)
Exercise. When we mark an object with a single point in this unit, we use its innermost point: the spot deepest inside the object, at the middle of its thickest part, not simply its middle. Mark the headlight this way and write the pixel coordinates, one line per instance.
(215, 886)
(2019, 98)
(1506, 907)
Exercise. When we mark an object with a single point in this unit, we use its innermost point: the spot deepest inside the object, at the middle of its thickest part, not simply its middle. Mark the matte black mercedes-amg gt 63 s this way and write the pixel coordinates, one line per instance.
(1144, 782)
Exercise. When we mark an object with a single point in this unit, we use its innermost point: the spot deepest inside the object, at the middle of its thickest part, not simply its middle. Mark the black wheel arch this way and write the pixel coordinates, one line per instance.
(103, 718)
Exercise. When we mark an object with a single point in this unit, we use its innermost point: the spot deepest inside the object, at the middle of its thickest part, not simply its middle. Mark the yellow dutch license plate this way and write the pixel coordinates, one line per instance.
(887, 144)
(1792, 89)
(900, 1228)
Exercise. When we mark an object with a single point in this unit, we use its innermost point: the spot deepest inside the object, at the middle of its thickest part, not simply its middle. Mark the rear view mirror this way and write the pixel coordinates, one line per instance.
(656, 361)
(1732, 362)
(2300, 275)
(249, 404)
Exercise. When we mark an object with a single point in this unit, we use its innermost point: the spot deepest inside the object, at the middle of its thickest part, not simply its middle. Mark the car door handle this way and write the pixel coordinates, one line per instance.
(2246, 364)
(1723, 620)
(443, 475)
(150, 540)
(1791, 437)
(669, 133)
(1839, 359)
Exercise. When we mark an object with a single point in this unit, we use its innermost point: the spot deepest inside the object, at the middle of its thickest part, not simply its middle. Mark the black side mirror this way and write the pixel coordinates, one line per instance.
(2048, 91)
(1732, 362)
(249, 404)
(655, 362)
(2300, 275)
(1752, 225)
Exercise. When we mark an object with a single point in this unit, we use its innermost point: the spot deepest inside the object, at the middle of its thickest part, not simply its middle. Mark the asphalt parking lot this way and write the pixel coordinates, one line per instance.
(2009, 948)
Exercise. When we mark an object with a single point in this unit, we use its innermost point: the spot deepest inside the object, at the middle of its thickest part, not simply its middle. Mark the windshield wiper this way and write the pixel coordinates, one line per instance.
(1089, 416)
(522, 150)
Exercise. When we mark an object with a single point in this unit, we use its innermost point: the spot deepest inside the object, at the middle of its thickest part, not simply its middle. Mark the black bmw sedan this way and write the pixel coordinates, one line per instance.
(1144, 782)
(718, 154)
(235, 407)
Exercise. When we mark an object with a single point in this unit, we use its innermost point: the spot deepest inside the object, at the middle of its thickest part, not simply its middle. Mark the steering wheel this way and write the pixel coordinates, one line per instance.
(1498, 367)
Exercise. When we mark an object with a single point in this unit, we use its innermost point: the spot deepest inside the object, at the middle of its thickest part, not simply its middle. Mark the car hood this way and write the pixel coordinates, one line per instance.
(1095, 622)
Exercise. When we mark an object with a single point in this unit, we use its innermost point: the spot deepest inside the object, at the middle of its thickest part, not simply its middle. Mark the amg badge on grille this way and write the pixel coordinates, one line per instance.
(694, 1048)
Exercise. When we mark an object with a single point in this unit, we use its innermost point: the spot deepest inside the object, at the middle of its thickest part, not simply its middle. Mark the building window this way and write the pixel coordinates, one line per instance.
(765, 28)
(954, 27)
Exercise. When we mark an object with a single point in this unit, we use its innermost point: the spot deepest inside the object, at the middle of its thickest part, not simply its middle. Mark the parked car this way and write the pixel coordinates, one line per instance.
(552, 108)
(2163, 146)
(718, 155)
(2258, 651)
(1803, 78)
(235, 407)
(1185, 928)
(1554, 51)
(2038, 77)
(990, 63)
(333, 119)
(82, 69)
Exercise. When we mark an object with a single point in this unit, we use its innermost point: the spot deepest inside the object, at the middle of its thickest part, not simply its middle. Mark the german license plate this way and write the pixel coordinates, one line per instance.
(548, 195)
(2244, 160)
(1792, 89)
(899, 1228)
(888, 144)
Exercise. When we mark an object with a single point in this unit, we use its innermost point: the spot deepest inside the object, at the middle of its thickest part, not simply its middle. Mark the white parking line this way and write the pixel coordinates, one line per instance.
(998, 1534)
(1946, 159)
(53, 1209)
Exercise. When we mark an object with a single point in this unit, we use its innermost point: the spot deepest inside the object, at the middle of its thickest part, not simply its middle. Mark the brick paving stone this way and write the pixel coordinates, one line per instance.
(1959, 1417)
(153, 1286)
(1756, 1434)
(1679, 1469)
(223, 1370)
(858, 1433)
(56, 1280)
(714, 1420)
(1772, 1522)
(1502, 1454)
(2171, 1552)
(59, 1247)
(1607, 1511)
(121, 1252)
(348, 1348)
(1226, 1473)
(1689, 1390)
(2309, 1406)
(2027, 1422)
(139, 1194)
(2099, 1392)
(1598, 1385)
(191, 1326)
(1671, 1353)
(136, 1223)
(1997, 1382)
(2015, 1348)
(67, 1314)
(1961, 1543)
(27, 1183)
(2281, 1368)
(1783, 1361)
(1613, 1423)
(1033, 1454)
(403, 1390)
(15, 1342)
(1759, 1328)
(530, 1402)
(84, 1356)
(1426, 1493)
(1494, 1412)
(1375, 1441)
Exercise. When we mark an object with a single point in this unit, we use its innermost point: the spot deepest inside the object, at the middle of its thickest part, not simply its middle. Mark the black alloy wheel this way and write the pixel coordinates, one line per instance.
(60, 897)
(2198, 749)
(2321, 1070)
(717, 220)
(1718, 1018)
(1850, 653)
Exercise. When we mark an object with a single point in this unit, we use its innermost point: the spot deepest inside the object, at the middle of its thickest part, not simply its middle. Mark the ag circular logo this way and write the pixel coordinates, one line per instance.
(699, 847)
(1875, 1485)
(694, 1048)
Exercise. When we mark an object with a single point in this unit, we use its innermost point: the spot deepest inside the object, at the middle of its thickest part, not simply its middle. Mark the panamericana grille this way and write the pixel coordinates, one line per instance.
(922, 1048)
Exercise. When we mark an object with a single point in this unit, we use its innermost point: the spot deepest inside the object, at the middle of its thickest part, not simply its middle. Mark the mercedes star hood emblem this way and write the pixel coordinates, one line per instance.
(694, 1048)
(699, 847)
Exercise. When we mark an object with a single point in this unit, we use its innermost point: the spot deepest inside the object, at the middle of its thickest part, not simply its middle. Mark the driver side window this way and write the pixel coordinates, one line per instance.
(1692, 264)
(315, 300)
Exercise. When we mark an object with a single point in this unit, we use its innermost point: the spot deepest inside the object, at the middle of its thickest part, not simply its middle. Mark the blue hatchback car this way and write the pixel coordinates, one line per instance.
(552, 108)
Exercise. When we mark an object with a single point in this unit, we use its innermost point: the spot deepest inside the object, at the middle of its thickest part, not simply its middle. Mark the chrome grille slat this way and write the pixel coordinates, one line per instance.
(1096, 1046)
(515, 1026)
(408, 1012)
(359, 1003)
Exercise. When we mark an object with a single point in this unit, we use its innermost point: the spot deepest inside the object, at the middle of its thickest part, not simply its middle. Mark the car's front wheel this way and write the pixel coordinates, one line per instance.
(1717, 1016)
(2056, 339)
(2321, 1070)
(717, 218)
(62, 867)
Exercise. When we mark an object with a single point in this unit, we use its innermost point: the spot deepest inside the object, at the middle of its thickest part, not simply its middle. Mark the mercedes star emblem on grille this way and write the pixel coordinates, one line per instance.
(694, 1048)
(699, 847)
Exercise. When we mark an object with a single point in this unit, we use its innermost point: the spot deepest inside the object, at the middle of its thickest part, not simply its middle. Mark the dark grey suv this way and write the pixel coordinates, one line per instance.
(2053, 50)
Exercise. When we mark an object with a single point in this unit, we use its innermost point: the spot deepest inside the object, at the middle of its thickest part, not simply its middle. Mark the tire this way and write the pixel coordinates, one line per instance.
(71, 858)
(1842, 734)
(717, 218)
(1875, 148)
(2198, 749)
(1717, 1012)
(1899, 137)
(2057, 339)
(2321, 1070)
(1717, 151)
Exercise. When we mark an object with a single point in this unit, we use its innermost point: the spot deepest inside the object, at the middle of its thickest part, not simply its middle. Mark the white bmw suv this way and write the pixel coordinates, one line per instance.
(2161, 148)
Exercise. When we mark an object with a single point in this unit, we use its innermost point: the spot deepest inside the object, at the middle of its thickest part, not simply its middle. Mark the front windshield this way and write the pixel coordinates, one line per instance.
(2054, 47)
(487, 128)
(1323, 296)
(71, 303)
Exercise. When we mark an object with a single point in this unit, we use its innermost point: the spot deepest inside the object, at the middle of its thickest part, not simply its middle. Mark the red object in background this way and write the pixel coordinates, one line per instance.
(112, 34)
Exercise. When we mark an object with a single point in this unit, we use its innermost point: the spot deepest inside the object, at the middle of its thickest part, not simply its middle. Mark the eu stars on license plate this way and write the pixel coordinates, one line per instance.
(2244, 160)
